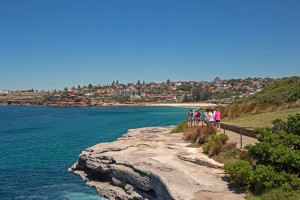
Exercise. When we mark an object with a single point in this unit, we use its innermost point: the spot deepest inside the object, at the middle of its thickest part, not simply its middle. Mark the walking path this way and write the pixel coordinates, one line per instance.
(236, 137)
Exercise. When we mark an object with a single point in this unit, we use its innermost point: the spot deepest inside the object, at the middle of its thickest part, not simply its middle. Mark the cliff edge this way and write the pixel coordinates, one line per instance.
(152, 163)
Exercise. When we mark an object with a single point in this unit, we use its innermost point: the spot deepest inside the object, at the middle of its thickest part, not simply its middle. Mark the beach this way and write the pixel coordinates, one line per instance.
(193, 104)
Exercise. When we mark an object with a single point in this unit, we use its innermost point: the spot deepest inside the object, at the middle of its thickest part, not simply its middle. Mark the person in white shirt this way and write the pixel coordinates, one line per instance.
(209, 117)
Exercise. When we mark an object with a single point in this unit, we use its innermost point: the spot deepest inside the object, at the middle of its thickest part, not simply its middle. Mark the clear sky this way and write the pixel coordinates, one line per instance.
(52, 44)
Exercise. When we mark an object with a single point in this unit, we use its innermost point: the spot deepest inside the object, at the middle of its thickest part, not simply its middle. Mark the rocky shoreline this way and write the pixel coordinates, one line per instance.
(152, 163)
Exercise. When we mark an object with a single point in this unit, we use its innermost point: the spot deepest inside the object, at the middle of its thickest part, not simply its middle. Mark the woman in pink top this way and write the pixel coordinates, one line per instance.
(217, 118)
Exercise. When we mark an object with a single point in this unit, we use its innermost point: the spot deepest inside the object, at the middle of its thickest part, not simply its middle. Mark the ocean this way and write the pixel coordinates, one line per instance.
(39, 144)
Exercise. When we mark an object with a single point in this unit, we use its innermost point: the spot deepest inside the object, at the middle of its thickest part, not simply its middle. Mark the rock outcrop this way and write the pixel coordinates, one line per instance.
(152, 163)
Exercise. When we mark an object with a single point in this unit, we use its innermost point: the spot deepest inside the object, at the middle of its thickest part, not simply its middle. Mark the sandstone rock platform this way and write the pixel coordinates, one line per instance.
(152, 163)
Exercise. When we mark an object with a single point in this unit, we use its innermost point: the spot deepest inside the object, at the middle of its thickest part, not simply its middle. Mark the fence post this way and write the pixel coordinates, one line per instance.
(241, 138)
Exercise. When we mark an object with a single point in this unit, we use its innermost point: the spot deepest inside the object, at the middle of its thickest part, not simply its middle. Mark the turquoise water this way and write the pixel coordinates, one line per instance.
(39, 144)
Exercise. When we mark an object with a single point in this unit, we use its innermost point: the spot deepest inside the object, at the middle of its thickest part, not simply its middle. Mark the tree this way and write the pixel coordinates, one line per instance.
(144, 83)
(78, 87)
(184, 87)
(168, 81)
(201, 94)
(90, 86)
(117, 82)
(197, 93)
(139, 82)
(185, 98)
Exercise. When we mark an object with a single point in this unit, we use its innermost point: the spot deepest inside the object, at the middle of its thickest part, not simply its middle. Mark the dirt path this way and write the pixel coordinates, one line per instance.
(236, 137)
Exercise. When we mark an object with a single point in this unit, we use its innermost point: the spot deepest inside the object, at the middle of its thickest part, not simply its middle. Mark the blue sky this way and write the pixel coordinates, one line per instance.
(52, 44)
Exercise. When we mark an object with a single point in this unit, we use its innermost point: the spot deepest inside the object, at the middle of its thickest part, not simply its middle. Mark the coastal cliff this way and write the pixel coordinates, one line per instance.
(152, 163)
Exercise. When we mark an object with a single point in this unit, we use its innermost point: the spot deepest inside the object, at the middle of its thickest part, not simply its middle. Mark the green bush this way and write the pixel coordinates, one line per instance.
(279, 146)
(240, 173)
(280, 194)
(215, 144)
(229, 150)
(265, 178)
(277, 159)
(223, 138)
(207, 146)
(181, 127)
(230, 153)
(259, 178)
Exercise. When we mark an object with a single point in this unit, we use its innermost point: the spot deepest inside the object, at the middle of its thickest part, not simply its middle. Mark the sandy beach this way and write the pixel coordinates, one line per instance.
(197, 105)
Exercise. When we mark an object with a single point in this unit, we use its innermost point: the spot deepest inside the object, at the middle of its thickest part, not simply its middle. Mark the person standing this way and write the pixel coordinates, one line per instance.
(209, 117)
(190, 117)
(198, 117)
(218, 119)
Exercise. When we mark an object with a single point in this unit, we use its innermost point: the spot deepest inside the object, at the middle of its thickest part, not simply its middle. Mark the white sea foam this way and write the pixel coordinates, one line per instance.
(81, 196)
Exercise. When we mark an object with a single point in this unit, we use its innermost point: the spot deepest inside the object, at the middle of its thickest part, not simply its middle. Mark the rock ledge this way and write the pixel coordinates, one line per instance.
(151, 163)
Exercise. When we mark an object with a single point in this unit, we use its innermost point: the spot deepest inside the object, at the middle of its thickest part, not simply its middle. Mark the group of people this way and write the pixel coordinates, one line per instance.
(212, 117)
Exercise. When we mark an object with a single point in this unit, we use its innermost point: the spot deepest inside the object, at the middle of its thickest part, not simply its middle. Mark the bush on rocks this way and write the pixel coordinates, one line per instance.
(181, 127)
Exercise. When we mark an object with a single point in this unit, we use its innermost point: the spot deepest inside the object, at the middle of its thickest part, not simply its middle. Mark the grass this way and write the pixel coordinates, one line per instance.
(222, 158)
(262, 119)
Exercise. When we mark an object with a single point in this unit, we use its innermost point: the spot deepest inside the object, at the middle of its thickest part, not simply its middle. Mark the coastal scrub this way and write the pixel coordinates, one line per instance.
(277, 161)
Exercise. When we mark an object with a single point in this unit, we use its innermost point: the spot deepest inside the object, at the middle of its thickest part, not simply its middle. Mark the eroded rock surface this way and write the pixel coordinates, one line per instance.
(152, 163)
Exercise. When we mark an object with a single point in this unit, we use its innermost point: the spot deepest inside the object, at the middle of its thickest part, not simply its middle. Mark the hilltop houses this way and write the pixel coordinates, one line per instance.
(112, 94)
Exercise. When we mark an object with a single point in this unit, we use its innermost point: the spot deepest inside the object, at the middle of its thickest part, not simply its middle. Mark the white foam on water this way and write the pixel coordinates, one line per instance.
(82, 196)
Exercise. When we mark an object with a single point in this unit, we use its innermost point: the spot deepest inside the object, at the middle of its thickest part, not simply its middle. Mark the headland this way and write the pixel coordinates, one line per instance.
(152, 163)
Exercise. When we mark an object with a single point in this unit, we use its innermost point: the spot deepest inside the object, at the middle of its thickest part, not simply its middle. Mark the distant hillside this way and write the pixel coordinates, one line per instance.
(280, 95)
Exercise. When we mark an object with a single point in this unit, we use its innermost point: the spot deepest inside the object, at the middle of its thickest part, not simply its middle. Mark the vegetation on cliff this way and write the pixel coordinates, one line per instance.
(262, 119)
(180, 127)
(280, 95)
(213, 144)
(273, 170)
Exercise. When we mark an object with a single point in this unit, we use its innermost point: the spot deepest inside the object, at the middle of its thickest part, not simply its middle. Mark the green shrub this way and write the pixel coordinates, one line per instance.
(280, 194)
(240, 173)
(223, 138)
(279, 146)
(214, 144)
(181, 127)
(207, 146)
(277, 159)
(229, 150)
(230, 153)
(265, 178)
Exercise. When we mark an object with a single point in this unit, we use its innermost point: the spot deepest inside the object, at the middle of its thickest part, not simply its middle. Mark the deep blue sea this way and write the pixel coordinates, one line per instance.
(39, 144)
